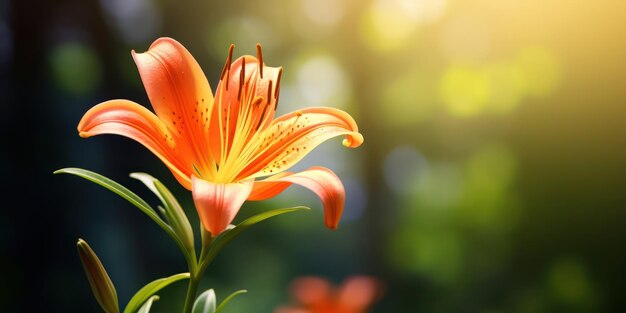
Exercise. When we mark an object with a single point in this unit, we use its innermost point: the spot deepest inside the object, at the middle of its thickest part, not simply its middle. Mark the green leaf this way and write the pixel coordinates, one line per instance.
(145, 308)
(150, 289)
(205, 303)
(113, 186)
(232, 295)
(116, 188)
(99, 281)
(206, 240)
(163, 213)
(129, 196)
(173, 211)
(229, 235)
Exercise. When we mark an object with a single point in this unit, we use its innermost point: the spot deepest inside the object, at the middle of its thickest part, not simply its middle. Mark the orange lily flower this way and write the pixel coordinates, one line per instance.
(316, 295)
(217, 146)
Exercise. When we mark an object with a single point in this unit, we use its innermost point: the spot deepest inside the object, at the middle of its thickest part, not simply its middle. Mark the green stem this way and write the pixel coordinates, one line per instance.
(196, 272)
(192, 289)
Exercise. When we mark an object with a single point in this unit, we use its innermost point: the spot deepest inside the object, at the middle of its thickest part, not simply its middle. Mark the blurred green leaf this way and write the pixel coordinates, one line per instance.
(229, 235)
(145, 308)
(205, 303)
(150, 289)
(173, 210)
(232, 295)
(100, 282)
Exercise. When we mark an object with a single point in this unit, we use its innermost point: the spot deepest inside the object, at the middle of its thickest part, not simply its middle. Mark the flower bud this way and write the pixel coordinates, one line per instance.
(99, 280)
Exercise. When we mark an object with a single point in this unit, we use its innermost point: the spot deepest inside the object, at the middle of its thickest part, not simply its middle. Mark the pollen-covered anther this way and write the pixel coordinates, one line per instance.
(298, 113)
(259, 57)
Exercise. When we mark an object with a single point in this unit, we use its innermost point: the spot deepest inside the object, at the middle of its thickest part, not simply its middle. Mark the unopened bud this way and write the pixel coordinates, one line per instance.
(101, 285)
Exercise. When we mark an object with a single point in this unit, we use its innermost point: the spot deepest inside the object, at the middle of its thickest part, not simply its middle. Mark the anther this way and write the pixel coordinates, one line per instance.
(258, 125)
(226, 70)
(242, 76)
(259, 56)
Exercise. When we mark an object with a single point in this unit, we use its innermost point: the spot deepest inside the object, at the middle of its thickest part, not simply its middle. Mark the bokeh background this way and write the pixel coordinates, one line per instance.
(492, 178)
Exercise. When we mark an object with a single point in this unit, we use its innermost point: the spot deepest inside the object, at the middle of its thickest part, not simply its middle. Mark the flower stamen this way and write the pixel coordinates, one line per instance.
(259, 56)
(226, 70)
(280, 73)
(242, 77)
(269, 92)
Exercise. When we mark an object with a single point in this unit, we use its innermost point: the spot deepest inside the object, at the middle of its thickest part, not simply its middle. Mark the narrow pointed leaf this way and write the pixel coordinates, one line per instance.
(163, 213)
(205, 303)
(173, 211)
(100, 282)
(145, 308)
(113, 186)
(232, 295)
(150, 289)
(126, 194)
(229, 235)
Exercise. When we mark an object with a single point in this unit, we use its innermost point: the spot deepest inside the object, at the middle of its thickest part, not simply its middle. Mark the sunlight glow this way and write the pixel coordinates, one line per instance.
(324, 12)
(507, 83)
(388, 24)
(322, 81)
(408, 100)
(540, 70)
(465, 91)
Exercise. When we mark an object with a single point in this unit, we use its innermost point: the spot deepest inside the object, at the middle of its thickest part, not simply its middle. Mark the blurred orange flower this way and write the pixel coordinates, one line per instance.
(217, 147)
(316, 295)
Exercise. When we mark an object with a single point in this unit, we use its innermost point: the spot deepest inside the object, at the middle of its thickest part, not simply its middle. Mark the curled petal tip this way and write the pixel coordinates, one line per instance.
(333, 227)
(353, 140)
(168, 40)
(332, 217)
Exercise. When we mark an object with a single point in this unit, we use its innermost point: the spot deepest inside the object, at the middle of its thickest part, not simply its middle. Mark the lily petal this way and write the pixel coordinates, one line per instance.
(129, 119)
(357, 293)
(291, 310)
(269, 187)
(294, 135)
(180, 94)
(217, 204)
(322, 181)
(312, 291)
